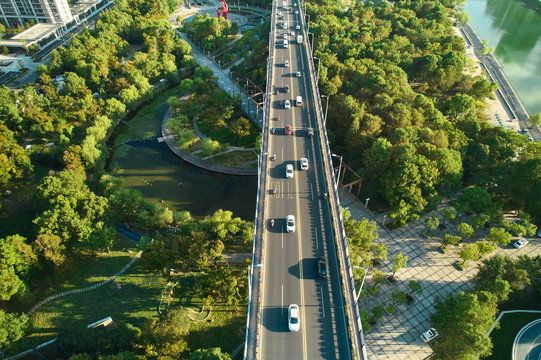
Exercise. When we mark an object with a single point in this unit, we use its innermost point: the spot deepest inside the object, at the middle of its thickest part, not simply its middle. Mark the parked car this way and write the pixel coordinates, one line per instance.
(520, 243)
(429, 335)
(304, 164)
(293, 321)
(290, 223)
(289, 171)
(322, 267)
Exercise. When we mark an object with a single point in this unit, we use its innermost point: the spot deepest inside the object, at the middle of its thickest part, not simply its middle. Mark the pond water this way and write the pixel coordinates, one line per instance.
(514, 31)
(164, 178)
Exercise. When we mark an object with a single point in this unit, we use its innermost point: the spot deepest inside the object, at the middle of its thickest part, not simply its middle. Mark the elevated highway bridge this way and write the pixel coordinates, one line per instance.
(285, 263)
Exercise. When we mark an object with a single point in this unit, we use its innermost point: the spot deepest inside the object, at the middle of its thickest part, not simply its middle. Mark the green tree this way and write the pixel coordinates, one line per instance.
(415, 288)
(535, 120)
(209, 354)
(463, 322)
(240, 127)
(466, 230)
(379, 253)
(468, 252)
(484, 248)
(480, 220)
(447, 215)
(451, 240)
(210, 146)
(398, 297)
(432, 223)
(378, 277)
(12, 327)
(474, 199)
(399, 262)
(498, 236)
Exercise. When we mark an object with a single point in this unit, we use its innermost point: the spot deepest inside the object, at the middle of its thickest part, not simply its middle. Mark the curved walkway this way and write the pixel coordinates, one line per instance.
(194, 160)
(78, 291)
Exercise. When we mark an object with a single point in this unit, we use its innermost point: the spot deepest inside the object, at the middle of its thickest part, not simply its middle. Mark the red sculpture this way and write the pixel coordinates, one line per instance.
(224, 9)
(218, 13)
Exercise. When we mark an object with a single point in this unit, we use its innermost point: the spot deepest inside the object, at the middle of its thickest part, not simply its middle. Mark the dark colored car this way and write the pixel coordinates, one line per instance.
(288, 129)
(322, 267)
(286, 89)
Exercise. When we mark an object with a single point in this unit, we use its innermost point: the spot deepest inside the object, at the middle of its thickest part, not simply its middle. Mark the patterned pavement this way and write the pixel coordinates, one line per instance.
(397, 336)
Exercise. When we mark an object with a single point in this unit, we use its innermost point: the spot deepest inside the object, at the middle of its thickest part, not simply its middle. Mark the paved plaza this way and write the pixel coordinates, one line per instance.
(397, 336)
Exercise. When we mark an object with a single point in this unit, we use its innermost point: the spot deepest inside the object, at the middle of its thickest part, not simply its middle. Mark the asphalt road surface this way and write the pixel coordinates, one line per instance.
(289, 259)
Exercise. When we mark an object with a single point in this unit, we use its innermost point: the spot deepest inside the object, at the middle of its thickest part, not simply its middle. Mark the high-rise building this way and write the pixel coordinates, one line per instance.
(14, 13)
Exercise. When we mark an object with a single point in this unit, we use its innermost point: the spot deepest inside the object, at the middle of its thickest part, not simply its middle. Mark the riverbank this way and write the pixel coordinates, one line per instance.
(507, 110)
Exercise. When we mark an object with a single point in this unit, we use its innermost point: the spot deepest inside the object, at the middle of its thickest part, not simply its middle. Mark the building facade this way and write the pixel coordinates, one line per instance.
(14, 13)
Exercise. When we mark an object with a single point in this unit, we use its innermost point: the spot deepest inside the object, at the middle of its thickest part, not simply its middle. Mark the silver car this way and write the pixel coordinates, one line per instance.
(290, 223)
(289, 171)
(304, 164)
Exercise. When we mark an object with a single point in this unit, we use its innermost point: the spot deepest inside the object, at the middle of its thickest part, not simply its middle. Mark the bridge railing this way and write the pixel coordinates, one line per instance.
(346, 270)
(251, 341)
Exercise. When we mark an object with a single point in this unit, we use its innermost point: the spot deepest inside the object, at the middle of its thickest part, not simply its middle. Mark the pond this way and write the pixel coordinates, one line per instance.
(162, 177)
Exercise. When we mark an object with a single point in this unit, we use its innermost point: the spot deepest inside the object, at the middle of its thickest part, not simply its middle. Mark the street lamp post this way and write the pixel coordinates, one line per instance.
(366, 204)
(384, 218)
(326, 108)
(318, 62)
(311, 43)
(362, 283)
(339, 169)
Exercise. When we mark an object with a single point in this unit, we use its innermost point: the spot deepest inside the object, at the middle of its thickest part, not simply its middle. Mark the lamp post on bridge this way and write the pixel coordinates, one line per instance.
(339, 169)
(318, 62)
(362, 282)
(326, 108)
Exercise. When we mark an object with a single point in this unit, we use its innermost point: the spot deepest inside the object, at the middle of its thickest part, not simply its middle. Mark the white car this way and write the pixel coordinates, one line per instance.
(286, 63)
(279, 13)
(429, 335)
(298, 27)
(289, 171)
(296, 12)
(304, 164)
(520, 243)
(298, 74)
(293, 321)
(285, 36)
(293, 33)
(290, 223)
(287, 104)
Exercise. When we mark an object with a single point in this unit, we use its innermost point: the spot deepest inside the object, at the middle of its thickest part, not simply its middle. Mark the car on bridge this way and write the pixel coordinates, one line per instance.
(289, 171)
(322, 267)
(298, 27)
(290, 223)
(286, 63)
(293, 321)
(287, 129)
(298, 74)
(304, 164)
(287, 104)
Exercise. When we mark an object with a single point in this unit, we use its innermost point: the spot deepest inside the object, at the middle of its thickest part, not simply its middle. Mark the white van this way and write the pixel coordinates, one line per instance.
(298, 101)
(285, 44)
(284, 4)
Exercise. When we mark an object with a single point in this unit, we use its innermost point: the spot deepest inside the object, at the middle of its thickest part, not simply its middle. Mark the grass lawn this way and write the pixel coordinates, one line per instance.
(139, 126)
(234, 158)
(136, 301)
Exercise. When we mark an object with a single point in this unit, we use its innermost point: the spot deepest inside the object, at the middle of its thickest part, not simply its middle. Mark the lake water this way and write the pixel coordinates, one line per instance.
(514, 32)
(162, 177)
